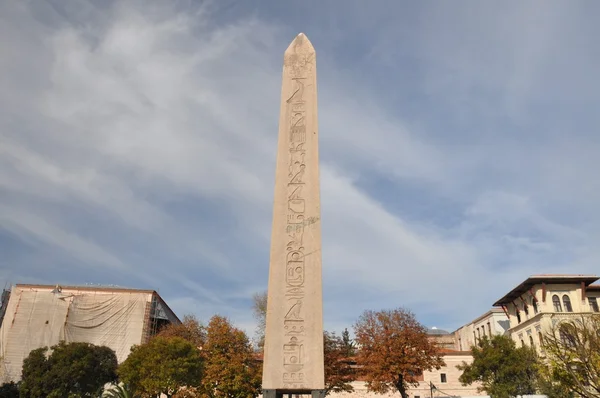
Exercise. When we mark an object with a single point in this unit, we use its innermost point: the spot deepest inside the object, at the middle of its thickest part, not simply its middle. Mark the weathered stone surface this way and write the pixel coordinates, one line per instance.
(294, 332)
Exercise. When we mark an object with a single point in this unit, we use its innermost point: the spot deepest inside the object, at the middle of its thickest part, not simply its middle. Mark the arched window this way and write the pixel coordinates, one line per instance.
(534, 305)
(522, 343)
(518, 316)
(567, 336)
(525, 309)
(556, 303)
(567, 303)
(531, 342)
(540, 338)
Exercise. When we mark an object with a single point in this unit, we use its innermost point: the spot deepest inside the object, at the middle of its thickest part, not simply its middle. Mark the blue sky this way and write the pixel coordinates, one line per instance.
(458, 147)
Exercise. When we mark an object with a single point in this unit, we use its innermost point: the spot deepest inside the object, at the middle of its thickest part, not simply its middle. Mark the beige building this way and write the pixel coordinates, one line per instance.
(34, 316)
(539, 301)
(493, 322)
(444, 382)
(437, 383)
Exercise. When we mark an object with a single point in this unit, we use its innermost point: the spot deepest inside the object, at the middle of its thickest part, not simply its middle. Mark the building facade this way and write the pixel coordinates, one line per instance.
(493, 322)
(536, 304)
(36, 316)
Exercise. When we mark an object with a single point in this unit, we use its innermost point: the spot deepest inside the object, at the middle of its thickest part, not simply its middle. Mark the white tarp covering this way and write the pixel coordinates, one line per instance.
(39, 316)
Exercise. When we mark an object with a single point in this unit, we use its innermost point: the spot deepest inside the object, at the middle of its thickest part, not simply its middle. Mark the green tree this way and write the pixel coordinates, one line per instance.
(348, 345)
(9, 390)
(394, 350)
(34, 380)
(118, 391)
(503, 370)
(572, 363)
(72, 369)
(338, 370)
(162, 366)
(232, 370)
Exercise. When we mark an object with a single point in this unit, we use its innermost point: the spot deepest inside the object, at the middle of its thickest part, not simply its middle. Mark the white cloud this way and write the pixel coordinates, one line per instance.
(159, 126)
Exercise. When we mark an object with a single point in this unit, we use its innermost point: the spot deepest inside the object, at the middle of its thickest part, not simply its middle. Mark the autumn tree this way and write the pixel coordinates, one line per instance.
(394, 350)
(231, 368)
(259, 309)
(572, 350)
(190, 329)
(164, 365)
(72, 369)
(338, 371)
(503, 370)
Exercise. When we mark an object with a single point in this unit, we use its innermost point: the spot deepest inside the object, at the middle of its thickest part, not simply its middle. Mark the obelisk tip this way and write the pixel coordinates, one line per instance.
(300, 41)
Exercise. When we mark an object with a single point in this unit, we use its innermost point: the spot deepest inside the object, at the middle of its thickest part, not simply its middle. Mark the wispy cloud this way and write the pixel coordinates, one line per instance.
(137, 148)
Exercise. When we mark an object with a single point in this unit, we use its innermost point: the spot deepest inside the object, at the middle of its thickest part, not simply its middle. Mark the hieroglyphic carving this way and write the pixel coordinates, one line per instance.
(293, 323)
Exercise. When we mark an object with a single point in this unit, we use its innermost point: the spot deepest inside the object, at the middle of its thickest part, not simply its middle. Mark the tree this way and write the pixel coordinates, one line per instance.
(162, 366)
(118, 391)
(503, 370)
(572, 350)
(72, 369)
(34, 374)
(394, 350)
(231, 367)
(9, 390)
(348, 345)
(338, 370)
(190, 329)
(259, 309)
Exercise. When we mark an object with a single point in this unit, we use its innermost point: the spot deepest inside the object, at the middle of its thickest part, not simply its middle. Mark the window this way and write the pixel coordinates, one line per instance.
(483, 331)
(489, 329)
(540, 338)
(593, 301)
(531, 341)
(525, 309)
(522, 343)
(443, 377)
(556, 303)
(518, 316)
(567, 303)
(567, 336)
(534, 305)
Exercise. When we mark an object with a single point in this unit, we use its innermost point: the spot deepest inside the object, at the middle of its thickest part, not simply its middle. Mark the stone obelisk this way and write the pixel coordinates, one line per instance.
(293, 358)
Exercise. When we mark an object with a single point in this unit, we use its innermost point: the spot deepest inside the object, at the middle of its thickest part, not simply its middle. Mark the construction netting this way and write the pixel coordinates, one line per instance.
(41, 317)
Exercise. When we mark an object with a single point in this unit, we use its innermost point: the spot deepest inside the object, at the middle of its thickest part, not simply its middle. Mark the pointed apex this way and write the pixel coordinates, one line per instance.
(300, 42)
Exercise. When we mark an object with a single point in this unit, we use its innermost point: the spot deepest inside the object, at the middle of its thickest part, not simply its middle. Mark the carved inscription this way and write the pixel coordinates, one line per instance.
(293, 323)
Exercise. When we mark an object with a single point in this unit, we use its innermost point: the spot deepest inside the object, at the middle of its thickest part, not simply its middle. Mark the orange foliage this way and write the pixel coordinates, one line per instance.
(394, 350)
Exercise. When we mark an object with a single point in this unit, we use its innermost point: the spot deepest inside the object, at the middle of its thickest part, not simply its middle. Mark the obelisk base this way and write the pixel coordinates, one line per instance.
(270, 393)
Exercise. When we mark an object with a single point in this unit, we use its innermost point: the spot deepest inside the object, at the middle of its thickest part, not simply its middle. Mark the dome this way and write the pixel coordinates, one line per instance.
(436, 331)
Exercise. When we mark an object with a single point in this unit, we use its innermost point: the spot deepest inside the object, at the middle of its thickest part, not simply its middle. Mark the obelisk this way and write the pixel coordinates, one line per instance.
(293, 351)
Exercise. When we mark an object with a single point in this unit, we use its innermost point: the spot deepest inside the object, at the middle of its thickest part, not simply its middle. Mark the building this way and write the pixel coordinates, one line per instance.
(437, 383)
(535, 304)
(494, 322)
(37, 316)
